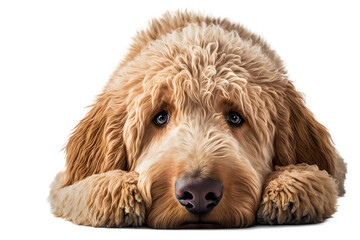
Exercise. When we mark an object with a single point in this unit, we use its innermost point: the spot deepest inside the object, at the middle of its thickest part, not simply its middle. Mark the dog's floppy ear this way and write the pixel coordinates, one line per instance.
(299, 138)
(96, 144)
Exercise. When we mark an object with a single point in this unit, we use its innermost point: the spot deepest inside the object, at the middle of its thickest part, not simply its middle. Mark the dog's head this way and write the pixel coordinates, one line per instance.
(202, 110)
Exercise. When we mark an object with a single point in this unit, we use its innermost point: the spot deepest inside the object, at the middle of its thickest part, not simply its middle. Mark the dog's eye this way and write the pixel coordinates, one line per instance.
(234, 119)
(161, 119)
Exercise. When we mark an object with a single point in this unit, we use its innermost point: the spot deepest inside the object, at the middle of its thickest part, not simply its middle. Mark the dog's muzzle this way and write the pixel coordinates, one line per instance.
(198, 196)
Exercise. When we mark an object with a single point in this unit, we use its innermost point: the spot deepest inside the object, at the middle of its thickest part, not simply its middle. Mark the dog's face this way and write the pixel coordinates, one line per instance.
(202, 113)
(200, 117)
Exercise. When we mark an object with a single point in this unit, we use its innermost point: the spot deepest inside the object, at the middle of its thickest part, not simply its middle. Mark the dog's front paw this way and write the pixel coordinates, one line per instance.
(118, 201)
(131, 204)
(297, 194)
(281, 206)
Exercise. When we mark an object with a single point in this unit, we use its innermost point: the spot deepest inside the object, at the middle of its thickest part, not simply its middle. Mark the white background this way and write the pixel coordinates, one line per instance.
(55, 57)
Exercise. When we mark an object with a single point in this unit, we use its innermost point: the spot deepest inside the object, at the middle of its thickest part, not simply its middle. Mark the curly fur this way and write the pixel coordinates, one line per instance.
(279, 167)
(297, 194)
(110, 199)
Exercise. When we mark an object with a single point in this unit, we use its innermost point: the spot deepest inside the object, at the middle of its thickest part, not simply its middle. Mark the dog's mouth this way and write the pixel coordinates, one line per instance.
(201, 225)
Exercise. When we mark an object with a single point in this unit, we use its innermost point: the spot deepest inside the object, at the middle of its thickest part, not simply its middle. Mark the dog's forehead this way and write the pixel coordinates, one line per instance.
(201, 63)
(198, 64)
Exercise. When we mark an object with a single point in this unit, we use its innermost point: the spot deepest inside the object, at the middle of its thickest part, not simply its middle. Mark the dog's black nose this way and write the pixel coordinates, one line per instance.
(198, 196)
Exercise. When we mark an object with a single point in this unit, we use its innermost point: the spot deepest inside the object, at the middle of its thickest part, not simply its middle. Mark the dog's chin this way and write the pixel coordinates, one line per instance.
(200, 225)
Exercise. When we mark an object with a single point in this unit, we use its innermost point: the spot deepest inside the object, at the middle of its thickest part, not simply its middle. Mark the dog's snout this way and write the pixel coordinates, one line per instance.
(198, 196)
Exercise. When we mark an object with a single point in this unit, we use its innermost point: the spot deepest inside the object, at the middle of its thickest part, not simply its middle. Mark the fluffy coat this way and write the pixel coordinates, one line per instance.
(279, 167)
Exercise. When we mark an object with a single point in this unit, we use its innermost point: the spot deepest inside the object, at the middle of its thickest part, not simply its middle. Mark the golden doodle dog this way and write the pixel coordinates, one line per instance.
(199, 127)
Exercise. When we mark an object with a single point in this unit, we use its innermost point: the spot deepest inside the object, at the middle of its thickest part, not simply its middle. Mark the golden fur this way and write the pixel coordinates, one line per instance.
(279, 167)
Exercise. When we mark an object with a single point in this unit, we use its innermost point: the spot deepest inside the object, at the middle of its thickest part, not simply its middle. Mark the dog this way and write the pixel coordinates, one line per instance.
(199, 127)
